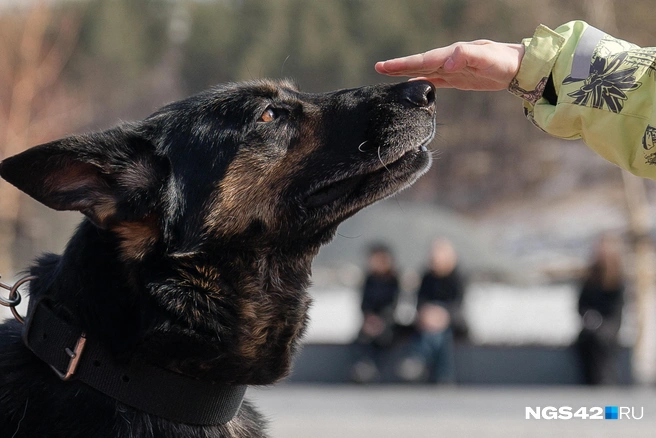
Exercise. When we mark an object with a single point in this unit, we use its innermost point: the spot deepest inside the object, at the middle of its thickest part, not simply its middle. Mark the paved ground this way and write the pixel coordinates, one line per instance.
(418, 412)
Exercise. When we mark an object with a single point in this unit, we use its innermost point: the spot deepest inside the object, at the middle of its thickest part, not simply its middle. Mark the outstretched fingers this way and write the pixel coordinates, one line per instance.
(420, 64)
(476, 65)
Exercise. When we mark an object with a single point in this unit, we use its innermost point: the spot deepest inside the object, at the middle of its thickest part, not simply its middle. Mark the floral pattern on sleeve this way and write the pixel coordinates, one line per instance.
(531, 96)
(607, 84)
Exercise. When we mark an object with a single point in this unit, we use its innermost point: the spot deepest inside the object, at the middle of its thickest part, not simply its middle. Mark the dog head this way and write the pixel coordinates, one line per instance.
(224, 198)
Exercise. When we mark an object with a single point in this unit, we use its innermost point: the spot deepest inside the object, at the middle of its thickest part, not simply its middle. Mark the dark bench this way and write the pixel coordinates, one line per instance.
(475, 364)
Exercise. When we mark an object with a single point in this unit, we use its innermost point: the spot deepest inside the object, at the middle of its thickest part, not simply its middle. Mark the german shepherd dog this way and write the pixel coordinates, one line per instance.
(193, 260)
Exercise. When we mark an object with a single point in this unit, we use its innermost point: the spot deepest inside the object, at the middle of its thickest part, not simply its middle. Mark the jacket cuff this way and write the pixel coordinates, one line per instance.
(541, 53)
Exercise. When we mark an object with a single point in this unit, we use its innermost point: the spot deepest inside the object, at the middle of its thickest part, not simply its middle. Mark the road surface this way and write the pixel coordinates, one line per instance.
(299, 411)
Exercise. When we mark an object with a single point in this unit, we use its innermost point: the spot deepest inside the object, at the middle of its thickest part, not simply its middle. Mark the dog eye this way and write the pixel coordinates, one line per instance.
(268, 115)
(272, 113)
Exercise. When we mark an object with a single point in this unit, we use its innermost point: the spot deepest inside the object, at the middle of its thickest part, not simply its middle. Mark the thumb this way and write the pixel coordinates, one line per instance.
(468, 55)
(458, 59)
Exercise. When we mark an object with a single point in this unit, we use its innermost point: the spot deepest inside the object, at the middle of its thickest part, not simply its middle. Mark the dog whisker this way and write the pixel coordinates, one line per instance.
(349, 237)
(381, 161)
(22, 418)
(396, 199)
(282, 68)
(436, 153)
(362, 144)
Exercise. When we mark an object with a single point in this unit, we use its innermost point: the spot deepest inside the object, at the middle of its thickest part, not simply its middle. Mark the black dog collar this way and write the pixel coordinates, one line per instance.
(137, 384)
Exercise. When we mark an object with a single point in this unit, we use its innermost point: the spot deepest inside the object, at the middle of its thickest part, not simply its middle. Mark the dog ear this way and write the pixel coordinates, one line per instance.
(109, 176)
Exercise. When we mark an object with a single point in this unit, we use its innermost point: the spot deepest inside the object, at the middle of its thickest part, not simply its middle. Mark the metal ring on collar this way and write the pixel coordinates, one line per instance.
(15, 297)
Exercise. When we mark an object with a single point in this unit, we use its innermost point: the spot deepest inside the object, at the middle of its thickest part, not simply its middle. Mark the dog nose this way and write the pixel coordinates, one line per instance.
(418, 93)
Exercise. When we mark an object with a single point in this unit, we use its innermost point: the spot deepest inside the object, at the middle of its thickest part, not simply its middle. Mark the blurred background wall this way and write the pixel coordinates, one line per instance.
(523, 209)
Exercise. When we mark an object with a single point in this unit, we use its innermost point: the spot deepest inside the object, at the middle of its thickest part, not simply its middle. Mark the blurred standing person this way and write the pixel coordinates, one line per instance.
(600, 305)
(439, 316)
(380, 293)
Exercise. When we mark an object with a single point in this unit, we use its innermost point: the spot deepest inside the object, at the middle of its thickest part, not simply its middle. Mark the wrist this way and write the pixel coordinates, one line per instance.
(540, 54)
(519, 53)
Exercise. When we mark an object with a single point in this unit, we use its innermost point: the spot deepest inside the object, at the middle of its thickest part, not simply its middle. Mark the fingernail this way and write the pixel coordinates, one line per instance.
(448, 65)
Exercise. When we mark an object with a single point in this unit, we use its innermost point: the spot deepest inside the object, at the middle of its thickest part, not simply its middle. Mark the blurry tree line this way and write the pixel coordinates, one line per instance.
(69, 66)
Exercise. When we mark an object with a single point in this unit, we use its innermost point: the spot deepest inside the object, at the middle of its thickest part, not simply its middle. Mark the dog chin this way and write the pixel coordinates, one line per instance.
(392, 179)
(344, 198)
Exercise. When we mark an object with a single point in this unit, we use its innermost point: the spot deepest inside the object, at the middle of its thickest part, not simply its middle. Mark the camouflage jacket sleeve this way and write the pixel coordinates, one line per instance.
(605, 88)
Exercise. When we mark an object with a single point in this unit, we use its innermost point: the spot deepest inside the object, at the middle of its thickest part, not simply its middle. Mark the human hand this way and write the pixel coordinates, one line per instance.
(373, 325)
(433, 318)
(478, 65)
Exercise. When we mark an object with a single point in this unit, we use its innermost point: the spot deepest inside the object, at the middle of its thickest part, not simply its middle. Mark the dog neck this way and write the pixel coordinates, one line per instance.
(235, 318)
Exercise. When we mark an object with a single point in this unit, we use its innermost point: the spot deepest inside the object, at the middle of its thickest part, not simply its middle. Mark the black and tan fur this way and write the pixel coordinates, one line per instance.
(201, 224)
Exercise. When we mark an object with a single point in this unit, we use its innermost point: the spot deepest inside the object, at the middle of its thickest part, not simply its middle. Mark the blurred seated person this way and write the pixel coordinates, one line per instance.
(380, 293)
(439, 318)
(600, 305)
